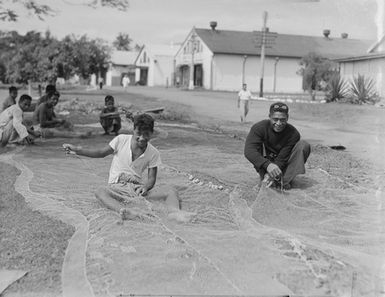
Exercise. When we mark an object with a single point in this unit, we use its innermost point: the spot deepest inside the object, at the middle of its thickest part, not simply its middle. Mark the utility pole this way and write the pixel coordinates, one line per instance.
(243, 69)
(191, 81)
(263, 43)
(275, 74)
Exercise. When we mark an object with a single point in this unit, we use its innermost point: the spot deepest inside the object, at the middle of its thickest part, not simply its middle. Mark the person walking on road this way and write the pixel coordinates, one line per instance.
(244, 96)
(125, 82)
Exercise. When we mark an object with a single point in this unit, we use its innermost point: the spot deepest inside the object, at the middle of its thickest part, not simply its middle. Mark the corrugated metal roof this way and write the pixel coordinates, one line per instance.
(363, 57)
(123, 57)
(285, 45)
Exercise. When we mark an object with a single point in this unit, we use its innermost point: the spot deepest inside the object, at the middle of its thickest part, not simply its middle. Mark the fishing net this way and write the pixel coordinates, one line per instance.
(325, 239)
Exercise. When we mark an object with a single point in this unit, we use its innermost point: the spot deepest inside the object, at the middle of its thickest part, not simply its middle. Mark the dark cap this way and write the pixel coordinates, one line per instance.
(279, 107)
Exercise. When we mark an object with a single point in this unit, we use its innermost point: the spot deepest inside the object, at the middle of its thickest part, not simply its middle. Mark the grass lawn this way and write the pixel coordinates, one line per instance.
(29, 241)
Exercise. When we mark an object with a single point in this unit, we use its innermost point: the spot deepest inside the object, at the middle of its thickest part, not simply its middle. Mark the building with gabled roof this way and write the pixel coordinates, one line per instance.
(152, 65)
(224, 59)
(121, 63)
(155, 65)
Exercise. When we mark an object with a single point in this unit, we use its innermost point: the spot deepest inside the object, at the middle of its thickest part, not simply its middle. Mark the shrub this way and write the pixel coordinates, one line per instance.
(336, 89)
(315, 69)
(363, 90)
(178, 114)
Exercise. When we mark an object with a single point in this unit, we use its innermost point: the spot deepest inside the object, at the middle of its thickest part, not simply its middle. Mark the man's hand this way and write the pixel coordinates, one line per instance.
(70, 149)
(29, 139)
(267, 180)
(128, 178)
(273, 170)
(36, 133)
(141, 190)
(59, 121)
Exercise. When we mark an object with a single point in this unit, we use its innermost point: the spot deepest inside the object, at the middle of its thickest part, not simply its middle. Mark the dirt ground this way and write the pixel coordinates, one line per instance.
(30, 241)
(332, 210)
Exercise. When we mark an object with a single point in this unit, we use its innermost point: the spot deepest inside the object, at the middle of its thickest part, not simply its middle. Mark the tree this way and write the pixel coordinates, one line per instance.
(44, 58)
(122, 42)
(315, 70)
(29, 57)
(82, 56)
(8, 12)
(137, 47)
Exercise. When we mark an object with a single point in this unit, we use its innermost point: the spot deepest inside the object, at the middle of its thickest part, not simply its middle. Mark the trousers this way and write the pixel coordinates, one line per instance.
(9, 135)
(295, 164)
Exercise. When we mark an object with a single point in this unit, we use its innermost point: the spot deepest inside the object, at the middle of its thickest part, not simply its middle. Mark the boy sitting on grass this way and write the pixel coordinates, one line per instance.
(132, 155)
(109, 117)
(12, 129)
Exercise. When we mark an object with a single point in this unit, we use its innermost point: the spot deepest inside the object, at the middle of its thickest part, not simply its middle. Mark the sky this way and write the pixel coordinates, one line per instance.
(169, 21)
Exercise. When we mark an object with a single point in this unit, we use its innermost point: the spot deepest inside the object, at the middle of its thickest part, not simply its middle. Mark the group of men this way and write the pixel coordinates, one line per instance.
(15, 129)
(273, 146)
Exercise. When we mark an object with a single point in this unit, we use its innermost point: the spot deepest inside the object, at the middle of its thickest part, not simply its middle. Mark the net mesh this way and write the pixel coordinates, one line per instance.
(315, 241)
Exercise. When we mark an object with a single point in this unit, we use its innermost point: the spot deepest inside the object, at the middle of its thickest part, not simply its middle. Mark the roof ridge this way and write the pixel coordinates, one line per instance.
(286, 34)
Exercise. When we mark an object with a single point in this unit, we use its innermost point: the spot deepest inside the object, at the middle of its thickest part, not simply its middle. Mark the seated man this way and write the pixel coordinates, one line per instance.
(12, 129)
(132, 155)
(49, 90)
(274, 147)
(45, 120)
(11, 99)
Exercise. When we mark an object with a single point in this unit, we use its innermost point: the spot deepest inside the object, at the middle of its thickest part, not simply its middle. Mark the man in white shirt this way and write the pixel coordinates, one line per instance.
(244, 96)
(132, 155)
(12, 129)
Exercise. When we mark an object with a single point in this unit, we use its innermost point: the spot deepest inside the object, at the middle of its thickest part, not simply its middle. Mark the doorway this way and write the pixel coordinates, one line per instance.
(198, 75)
(143, 76)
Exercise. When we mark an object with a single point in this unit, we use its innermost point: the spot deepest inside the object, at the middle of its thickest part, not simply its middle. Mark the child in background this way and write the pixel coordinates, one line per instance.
(109, 117)
(11, 99)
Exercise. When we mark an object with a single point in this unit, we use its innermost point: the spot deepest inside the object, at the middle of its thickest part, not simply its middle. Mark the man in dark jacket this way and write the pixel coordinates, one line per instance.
(274, 147)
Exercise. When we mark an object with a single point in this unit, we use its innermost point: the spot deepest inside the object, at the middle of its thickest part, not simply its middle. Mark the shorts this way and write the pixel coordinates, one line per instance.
(125, 193)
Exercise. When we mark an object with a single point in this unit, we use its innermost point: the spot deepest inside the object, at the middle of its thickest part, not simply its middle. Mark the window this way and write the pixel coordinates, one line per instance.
(197, 46)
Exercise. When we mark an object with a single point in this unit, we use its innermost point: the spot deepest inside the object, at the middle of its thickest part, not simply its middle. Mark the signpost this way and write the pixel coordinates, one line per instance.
(264, 39)
(191, 80)
(263, 43)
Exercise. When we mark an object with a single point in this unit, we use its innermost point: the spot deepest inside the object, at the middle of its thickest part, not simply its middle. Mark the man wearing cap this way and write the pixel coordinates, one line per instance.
(274, 147)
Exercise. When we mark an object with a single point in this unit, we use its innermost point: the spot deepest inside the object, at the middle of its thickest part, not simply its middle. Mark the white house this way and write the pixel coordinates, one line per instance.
(224, 59)
(371, 64)
(121, 63)
(155, 65)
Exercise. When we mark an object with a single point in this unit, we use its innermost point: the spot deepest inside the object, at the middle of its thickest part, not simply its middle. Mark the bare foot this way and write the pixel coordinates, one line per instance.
(182, 216)
(129, 214)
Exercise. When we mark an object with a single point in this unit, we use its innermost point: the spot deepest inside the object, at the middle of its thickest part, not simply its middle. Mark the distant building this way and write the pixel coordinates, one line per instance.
(224, 59)
(155, 65)
(370, 63)
(121, 63)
